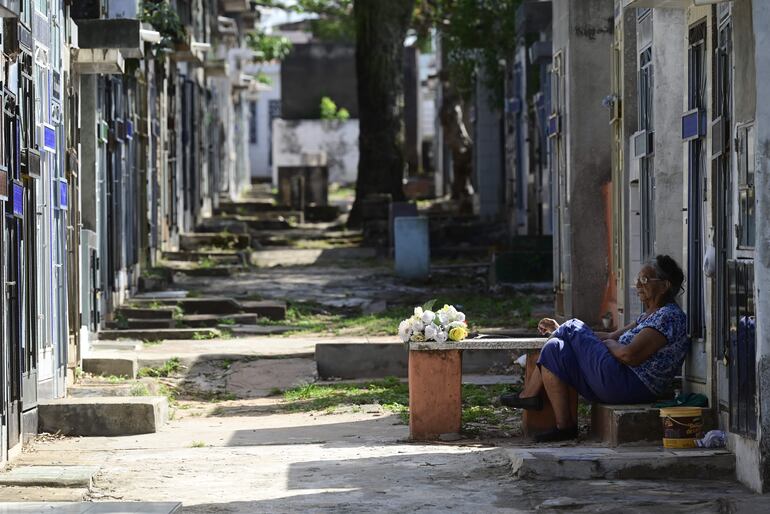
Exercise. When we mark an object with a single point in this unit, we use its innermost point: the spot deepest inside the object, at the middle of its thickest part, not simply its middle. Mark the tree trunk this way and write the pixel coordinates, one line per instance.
(381, 27)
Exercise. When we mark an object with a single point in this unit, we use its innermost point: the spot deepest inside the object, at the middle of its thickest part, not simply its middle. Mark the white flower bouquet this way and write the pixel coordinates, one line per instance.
(447, 323)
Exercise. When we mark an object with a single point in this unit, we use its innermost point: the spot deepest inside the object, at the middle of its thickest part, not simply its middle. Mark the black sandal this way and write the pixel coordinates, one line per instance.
(514, 400)
(557, 434)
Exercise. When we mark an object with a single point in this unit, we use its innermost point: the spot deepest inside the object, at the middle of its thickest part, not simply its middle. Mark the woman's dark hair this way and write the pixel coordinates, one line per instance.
(666, 268)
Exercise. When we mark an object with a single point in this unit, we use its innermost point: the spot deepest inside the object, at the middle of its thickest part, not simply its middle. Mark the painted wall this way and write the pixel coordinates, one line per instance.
(337, 139)
(260, 127)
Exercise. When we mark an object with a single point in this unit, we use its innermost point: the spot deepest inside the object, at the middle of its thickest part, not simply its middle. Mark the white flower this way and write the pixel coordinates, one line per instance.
(418, 325)
(418, 311)
(428, 317)
(441, 336)
(460, 316)
(430, 332)
(443, 318)
(457, 324)
(404, 331)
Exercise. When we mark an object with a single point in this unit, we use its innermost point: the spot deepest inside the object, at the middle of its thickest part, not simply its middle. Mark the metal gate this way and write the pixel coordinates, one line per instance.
(743, 346)
(694, 132)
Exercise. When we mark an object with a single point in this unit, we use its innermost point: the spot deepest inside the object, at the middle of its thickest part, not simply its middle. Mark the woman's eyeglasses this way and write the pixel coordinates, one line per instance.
(642, 279)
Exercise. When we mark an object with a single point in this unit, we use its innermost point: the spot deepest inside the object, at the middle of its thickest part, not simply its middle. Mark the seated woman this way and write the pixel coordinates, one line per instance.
(632, 365)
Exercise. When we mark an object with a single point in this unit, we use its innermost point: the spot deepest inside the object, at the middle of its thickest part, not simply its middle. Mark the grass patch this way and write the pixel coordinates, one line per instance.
(206, 263)
(202, 336)
(139, 390)
(169, 367)
(226, 364)
(481, 310)
(197, 444)
(227, 321)
(479, 402)
(339, 193)
(311, 317)
(114, 379)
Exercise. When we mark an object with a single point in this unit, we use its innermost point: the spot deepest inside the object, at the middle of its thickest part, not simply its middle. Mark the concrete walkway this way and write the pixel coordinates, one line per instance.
(241, 457)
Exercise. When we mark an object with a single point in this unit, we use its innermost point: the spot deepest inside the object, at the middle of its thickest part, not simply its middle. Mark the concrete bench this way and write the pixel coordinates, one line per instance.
(435, 386)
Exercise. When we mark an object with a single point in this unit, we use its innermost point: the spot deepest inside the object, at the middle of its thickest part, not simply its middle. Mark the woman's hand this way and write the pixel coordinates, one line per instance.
(547, 326)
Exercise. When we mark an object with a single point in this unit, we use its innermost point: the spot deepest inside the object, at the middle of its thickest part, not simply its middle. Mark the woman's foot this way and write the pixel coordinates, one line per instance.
(514, 400)
(557, 434)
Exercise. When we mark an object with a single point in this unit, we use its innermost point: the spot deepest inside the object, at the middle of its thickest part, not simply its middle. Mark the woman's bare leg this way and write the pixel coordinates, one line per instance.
(533, 385)
(559, 395)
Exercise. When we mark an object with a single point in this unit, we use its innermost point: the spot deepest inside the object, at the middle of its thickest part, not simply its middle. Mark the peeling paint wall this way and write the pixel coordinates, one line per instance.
(295, 141)
(761, 26)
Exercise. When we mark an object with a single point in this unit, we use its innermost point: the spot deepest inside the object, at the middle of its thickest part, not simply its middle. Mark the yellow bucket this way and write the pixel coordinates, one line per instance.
(681, 426)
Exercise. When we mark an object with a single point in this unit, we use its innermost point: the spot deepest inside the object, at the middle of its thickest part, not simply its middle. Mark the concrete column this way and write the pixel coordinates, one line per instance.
(584, 36)
(669, 57)
(89, 149)
(761, 476)
(487, 154)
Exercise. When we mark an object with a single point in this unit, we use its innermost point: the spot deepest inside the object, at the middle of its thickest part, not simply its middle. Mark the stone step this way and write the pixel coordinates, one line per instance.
(131, 324)
(103, 416)
(212, 271)
(49, 476)
(202, 305)
(160, 334)
(218, 257)
(252, 206)
(87, 507)
(110, 364)
(593, 463)
(321, 213)
(214, 320)
(194, 241)
(222, 224)
(157, 313)
(93, 389)
(119, 344)
(258, 225)
(617, 425)
(270, 309)
(261, 330)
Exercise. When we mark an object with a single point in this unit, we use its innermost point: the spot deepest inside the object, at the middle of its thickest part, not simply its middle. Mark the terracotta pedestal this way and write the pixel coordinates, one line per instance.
(435, 401)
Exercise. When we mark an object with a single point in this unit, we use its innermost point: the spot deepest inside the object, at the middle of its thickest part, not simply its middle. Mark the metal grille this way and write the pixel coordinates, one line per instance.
(742, 352)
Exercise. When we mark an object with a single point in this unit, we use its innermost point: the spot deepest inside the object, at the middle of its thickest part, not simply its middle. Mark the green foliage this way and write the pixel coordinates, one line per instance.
(393, 395)
(197, 444)
(206, 263)
(139, 390)
(334, 29)
(163, 18)
(263, 78)
(482, 311)
(329, 110)
(268, 47)
(169, 367)
(473, 34)
(202, 336)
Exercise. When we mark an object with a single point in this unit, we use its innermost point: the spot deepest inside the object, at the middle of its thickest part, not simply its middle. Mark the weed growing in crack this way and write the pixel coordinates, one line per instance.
(139, 390)
(169, 367)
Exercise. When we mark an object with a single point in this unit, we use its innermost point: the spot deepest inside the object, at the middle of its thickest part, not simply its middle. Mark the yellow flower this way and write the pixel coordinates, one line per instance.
(458, 333)
(418, 338)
